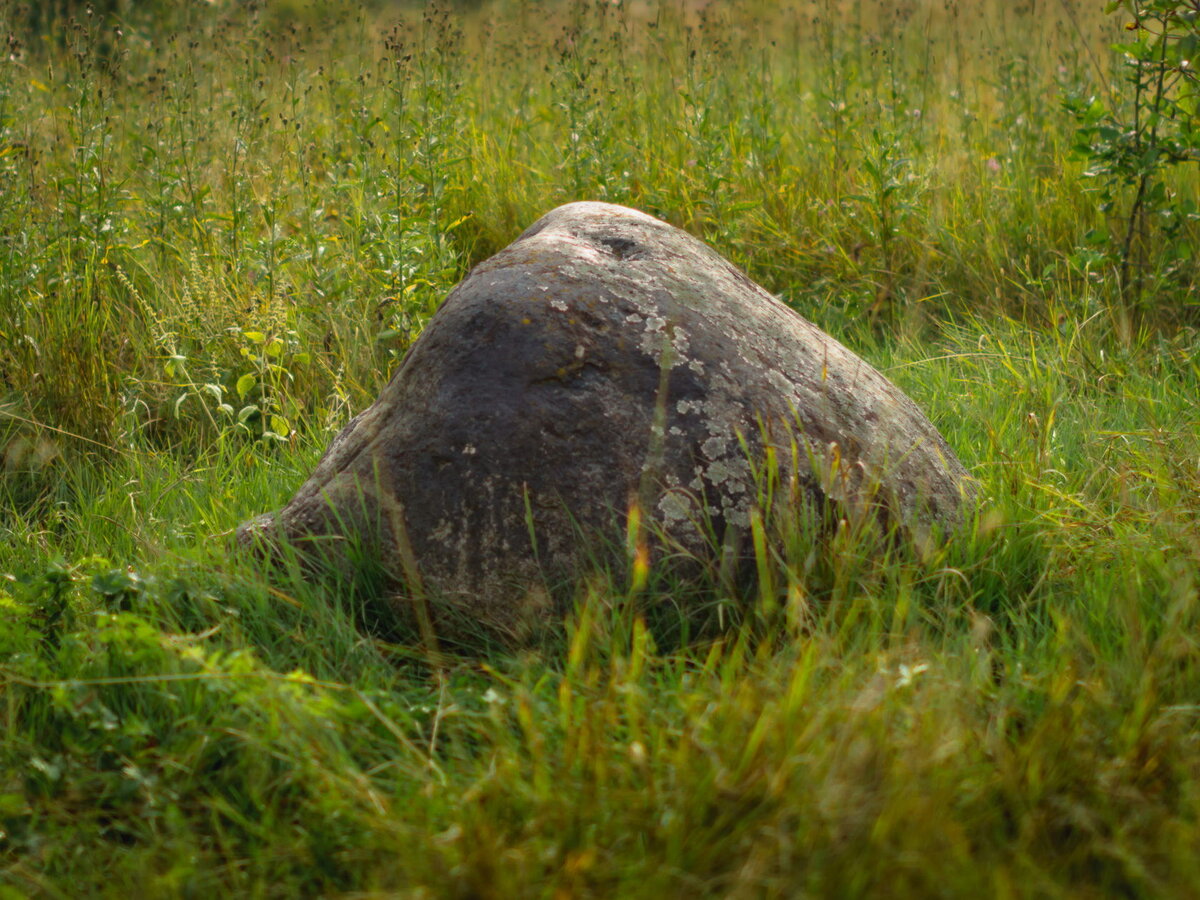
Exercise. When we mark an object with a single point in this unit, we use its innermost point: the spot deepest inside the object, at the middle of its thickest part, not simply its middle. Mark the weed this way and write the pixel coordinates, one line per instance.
(222, 224)
(1134, 140)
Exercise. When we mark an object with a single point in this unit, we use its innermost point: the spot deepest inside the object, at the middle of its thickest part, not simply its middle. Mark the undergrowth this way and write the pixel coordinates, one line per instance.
(222, 225)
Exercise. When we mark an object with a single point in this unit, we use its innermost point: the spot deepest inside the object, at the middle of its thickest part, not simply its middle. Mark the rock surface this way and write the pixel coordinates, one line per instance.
(603, 357)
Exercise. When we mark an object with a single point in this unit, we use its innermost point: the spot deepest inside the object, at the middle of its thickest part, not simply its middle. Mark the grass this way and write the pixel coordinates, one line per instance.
(222, 225)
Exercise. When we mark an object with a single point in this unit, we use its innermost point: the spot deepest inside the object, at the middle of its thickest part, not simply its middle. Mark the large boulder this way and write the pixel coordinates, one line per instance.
(602, 360)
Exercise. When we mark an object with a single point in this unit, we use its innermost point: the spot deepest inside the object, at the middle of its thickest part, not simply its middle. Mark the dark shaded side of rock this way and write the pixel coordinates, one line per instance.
(604, 356)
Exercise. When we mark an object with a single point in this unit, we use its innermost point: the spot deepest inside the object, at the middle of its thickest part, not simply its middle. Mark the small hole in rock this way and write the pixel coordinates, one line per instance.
(621, 248)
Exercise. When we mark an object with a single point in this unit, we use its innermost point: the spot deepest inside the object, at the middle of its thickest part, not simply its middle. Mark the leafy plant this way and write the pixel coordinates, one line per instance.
(1147, 128)
(275, 195)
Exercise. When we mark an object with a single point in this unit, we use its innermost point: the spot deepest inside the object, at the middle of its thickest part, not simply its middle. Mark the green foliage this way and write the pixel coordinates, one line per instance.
(223, 225)
(1149, 128)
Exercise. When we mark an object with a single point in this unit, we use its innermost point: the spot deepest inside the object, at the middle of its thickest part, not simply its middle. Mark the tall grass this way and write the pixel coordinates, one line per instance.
(221, 226)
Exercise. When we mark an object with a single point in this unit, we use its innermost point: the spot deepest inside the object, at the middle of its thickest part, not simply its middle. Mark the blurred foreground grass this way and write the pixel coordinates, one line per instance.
(222, 224)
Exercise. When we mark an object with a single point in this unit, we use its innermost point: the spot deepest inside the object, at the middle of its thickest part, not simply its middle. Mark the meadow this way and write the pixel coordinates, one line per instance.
(221, 226)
